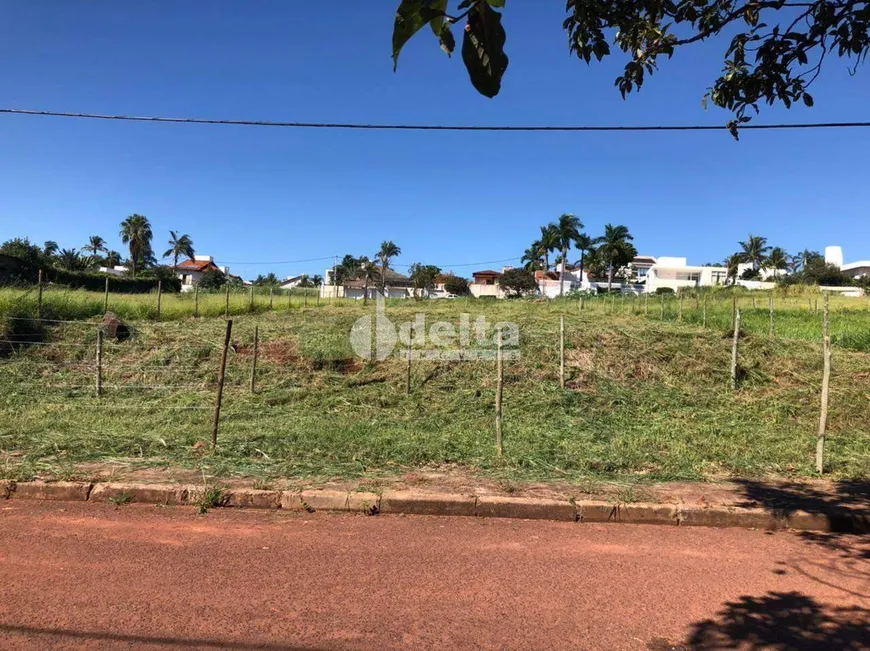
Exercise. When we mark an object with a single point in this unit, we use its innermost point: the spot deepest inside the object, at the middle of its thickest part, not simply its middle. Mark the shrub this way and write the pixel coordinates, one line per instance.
(456, 285)
(664, 290)
(516, 282)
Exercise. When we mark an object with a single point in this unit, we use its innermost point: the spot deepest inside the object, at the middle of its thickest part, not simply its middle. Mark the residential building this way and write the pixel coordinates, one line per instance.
(292, 282)
(191, 271)
(834, 256)
(640, 266)
(118, 270)
(550, 285)
(486, 283)
(676, 273)
(396, 285)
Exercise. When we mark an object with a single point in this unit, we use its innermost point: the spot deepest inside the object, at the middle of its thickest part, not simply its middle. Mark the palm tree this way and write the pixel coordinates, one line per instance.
(777, 260)
(532, 257)
(614, 243)
(70, 260)
(804, 258)
(549, 242)
(95, 245)
(50, 248)
(136, 233)
(755, 250)
(317, 280)
(179, 245)
(369, 272)
(113, 258)
(568, 229)
(585, 244)
(732, 265)
(388, 250)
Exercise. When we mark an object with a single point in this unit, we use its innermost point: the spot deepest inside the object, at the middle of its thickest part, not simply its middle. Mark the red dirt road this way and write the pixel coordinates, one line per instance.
(87, 576)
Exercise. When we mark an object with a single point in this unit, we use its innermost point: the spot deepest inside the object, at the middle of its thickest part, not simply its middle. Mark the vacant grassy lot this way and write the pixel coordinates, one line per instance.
(644, 398)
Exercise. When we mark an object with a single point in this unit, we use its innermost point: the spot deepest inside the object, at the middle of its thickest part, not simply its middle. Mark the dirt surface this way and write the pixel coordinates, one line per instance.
(89, 576)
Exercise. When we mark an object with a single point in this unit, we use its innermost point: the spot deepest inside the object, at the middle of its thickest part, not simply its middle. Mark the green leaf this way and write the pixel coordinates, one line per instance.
(411, 16)
(808, 99)
(445, 38)
(438, 22)
(483, 50)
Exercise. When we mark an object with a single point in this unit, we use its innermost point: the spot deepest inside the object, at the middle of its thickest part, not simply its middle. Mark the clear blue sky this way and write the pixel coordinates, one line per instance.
(251, 194)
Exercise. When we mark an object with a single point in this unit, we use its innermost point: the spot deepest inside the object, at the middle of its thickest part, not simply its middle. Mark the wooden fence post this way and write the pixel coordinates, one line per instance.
(734, 350)
(754, 305)
(196, 301)
(271, 298)
(106, 299)
(254, 359)
(408, 369)
(159, 297)
(772, 324)
(39, 296)
(823, 417)
(251, 302)
(827, 315)
(663, 308)
(304, 298)
(562, 351)
(220, 387)
(581, 302)
(498, 395)
(99, 362)
(733, 310)
(704, 322)
(646, 304)
(227, 308)
(680, 319)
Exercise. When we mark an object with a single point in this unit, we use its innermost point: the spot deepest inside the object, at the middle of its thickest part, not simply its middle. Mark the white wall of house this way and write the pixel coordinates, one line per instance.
(114, 271)
(477, 290)
(676, 274)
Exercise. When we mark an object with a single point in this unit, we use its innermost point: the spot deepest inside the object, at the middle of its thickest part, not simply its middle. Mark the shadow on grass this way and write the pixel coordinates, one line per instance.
(777, 620)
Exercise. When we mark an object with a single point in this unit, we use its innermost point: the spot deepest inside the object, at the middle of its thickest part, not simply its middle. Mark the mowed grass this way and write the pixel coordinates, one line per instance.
(645, 399)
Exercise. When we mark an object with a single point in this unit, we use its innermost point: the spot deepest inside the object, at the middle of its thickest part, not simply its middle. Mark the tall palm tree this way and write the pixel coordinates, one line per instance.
(568, 228)
(777, 260)
(369, 272)
(136, 233)
(388, 251)
(549, 242)
(614, 243)
(755, 250)
(585, 244)
(179, 245)
(732, 266)
(532, 258)
(50, 249)
(95, 245)
(805, 257)
(317, 280)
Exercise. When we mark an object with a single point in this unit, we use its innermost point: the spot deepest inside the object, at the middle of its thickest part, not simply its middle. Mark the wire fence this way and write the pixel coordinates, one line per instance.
(153, 371)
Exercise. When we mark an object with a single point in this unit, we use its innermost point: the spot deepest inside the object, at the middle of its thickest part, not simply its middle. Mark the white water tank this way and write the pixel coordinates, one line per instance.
(834, 255)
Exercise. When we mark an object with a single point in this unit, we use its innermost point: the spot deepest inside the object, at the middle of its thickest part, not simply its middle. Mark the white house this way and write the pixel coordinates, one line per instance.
(190, 272)
(834, 256)
(676, 273)
(292, 282)
(396, 285)
(118, 270)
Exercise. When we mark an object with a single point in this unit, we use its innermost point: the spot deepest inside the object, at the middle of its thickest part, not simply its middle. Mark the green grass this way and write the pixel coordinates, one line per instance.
(644, 399)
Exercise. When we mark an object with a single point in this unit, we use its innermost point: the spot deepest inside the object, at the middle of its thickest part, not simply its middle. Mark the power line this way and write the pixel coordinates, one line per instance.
(430, 127)
(327, 257)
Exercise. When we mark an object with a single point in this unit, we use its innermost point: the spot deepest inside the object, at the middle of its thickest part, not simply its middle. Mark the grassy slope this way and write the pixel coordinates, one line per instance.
(644, 399)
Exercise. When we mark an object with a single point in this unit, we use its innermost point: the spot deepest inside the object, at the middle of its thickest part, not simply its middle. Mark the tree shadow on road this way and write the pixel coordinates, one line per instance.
(777, 620)
(845, 505)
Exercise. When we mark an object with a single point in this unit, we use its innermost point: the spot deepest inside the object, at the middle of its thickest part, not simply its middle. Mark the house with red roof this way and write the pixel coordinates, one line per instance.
(191, 271)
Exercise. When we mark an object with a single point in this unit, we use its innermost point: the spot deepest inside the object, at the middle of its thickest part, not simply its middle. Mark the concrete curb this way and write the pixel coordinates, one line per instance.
(839, 519)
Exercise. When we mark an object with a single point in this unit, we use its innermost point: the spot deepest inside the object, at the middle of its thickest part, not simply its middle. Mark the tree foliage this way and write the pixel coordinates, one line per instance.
(775, 48)
(423, 276)
(455, 285)
(179, 245)
(136, 234)
(212, 279)
(517, 282)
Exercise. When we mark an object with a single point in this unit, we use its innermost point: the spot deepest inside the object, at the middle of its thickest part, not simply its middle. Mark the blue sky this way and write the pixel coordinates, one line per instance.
(248, 194)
